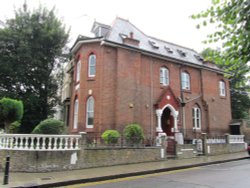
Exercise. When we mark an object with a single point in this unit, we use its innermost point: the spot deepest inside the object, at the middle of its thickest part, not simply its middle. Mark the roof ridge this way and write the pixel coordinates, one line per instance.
(127, 20)
(177, 45)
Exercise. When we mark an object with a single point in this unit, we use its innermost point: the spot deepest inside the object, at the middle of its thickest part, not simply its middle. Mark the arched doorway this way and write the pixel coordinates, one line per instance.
(167, 122)
(167, 118)
(170, 117)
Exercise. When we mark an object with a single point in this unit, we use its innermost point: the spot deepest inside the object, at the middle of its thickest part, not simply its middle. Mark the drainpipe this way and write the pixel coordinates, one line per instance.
(151, 100)
(206, 105)
(182, 104)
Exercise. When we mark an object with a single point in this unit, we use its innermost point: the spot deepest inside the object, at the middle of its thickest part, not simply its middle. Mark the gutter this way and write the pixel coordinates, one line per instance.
(78, 44)
(145, 52)
(103, 41)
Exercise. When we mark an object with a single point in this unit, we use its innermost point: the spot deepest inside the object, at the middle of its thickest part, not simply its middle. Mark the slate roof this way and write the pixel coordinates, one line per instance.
(122, 28)
(151, 44)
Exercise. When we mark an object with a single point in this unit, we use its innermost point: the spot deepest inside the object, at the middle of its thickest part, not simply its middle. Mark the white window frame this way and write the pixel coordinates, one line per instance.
(164, 76)
(92, 64)
(78, 70)
(222, 87)
(185, 81)
(76, 105)
(196, 113)
(90, 111)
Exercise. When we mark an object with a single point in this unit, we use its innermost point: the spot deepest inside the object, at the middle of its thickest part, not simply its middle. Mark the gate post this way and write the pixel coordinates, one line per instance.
(163, 138)
(83, 140)
(204, 143)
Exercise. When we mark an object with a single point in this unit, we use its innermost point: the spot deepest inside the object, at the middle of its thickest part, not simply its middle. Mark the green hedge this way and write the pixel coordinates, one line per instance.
(111, 137)
(50, 126)
(133, 134)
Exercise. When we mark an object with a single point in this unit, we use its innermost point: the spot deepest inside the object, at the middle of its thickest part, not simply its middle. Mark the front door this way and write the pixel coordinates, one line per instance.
(167, 123)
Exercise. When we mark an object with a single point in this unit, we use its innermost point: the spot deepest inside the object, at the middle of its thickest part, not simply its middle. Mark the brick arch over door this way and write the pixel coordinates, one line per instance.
(167, 100)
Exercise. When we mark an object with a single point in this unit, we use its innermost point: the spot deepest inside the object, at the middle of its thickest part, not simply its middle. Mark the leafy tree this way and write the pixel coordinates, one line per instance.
(240, 104)
(232, 22)
(31, 51)
(11, 110)
(50, 126)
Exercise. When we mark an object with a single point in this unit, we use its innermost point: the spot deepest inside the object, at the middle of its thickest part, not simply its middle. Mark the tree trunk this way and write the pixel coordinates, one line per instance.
(6, 127)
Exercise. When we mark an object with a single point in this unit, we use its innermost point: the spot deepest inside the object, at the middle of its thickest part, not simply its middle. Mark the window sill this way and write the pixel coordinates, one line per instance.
(223, 97)
(197, 130)
(90, 129)
(163, 86)
(186, 91)
(91, 79)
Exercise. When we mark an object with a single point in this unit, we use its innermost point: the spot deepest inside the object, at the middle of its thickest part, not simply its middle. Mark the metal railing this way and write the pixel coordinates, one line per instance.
(94, 139)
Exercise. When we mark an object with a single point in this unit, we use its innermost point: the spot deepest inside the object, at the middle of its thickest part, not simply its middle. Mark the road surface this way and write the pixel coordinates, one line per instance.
(226, 175)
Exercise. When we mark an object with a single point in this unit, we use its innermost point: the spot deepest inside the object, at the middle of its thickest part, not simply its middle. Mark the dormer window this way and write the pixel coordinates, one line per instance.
(100, 30)
(182, 53)
(153, 44)
(123, 36)
(199, 58)
(169, 50)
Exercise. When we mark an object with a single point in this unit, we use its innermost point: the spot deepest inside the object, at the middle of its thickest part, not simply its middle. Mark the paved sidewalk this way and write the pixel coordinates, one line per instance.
(53, 179)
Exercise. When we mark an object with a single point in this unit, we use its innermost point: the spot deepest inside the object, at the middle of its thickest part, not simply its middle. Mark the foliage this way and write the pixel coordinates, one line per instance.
(111, 136)
(133, 134)
(11, 110)
(240, 104)
(240, 101)
(14, 127)
(31, 50)
(232, 22)
(50, 126)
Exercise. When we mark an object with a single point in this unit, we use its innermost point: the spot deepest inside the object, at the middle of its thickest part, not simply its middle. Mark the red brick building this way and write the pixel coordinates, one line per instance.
(123, 76)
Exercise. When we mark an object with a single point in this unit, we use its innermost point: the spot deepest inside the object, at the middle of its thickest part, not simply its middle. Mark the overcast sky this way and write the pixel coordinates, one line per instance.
(164, 19)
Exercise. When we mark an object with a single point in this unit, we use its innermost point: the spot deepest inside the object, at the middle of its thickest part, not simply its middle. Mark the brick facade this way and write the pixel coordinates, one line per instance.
(127, 89)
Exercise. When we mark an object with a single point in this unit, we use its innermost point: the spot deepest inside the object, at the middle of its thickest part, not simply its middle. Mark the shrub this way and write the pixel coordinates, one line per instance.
(111, 136)
(133, 134)
(14, 127)
(50, 126)
(11, 110)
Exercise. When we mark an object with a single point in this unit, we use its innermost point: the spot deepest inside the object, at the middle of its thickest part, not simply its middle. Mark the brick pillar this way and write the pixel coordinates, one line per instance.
(204, 143)
(83, 140)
